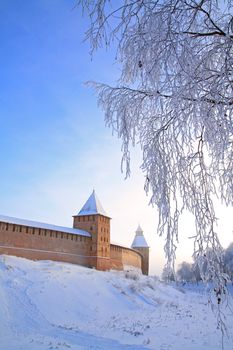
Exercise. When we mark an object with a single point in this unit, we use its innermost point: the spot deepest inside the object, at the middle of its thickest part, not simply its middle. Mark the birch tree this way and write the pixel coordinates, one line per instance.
(174, 97)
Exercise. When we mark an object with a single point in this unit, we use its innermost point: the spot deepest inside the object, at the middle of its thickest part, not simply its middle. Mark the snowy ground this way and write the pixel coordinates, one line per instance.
(48, 305)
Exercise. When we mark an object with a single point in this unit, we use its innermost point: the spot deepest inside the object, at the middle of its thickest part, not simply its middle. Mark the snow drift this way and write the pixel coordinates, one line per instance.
(49, 305)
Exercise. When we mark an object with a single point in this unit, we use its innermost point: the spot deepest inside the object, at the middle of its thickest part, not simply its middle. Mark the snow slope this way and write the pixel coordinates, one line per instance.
(49, 305)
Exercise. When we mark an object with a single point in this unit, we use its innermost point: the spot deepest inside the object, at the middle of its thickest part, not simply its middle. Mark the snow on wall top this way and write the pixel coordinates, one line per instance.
(16, 221)
(139, 239)
(92, 206)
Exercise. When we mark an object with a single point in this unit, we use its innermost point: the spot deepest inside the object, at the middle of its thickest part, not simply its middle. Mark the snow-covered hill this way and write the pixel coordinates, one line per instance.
(48, 305)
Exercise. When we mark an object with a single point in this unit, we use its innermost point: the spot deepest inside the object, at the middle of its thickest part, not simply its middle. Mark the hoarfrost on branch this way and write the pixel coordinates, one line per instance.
(174, 97)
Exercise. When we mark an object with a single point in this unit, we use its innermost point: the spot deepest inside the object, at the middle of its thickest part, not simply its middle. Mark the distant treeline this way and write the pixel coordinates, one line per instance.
(190, 272)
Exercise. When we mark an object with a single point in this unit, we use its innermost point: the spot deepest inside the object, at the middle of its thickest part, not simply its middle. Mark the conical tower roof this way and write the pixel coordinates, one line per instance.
(139, 231)
(92, 206)
(139, 239)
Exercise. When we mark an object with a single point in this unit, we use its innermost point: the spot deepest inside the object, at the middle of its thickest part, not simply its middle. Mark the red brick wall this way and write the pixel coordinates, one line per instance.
(34, 243)
(43, 244)
(131, 258)
(121, 256)
(116, 257)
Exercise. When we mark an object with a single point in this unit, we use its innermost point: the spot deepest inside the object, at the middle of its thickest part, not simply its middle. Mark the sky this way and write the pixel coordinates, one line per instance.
(55, 148)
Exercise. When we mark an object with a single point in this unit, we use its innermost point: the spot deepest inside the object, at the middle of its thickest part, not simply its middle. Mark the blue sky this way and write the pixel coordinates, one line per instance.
(46, 113)
(54, 145)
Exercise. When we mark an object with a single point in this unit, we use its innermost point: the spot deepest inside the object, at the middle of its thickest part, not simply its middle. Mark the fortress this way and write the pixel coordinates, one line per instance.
(87, 243)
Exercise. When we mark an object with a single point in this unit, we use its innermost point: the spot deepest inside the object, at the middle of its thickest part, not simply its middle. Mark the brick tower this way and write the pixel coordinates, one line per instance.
(140, 244)
(93, 218)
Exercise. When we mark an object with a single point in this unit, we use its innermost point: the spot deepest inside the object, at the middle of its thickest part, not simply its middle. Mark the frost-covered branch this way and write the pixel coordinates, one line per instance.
(175, 98)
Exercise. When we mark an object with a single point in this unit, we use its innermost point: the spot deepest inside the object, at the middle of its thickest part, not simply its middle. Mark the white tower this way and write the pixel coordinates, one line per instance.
(140, 244)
